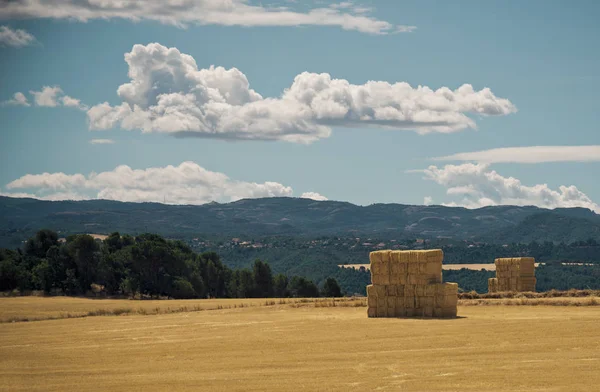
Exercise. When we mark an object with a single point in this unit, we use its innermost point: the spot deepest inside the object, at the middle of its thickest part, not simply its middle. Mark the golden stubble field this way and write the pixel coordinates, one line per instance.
(292, 347)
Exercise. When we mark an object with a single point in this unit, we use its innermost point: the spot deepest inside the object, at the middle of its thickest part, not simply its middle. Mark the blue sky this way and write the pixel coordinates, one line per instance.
(538, 59)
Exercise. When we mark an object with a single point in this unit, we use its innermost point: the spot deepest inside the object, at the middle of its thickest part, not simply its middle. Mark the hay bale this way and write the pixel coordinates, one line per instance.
(391, 307)
(409, 290)
(449, 312)
(391, 290)
(428, 311)
(372, 311)
(430, 290)
(400, 304)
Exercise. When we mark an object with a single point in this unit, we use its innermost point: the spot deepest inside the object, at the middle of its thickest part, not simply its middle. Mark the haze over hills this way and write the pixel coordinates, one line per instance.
(21, 217)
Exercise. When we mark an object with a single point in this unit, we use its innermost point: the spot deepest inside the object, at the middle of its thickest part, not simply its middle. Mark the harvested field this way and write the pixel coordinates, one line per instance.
(449, 267)
(47, 308)
(302, 346)
(477, 267)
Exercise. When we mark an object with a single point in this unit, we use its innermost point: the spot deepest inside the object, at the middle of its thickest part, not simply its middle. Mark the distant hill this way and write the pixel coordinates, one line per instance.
(558, 226)
(20, 218)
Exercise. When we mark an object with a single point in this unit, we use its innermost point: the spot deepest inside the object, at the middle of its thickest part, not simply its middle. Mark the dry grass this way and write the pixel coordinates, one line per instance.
(476, 267)
(280, 347)
(573, 293)
(52, 308)
(558, 301)
(22, 309)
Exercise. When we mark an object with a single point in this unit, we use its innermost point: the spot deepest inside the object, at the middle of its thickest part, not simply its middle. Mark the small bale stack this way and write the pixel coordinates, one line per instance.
(513, 274)
(409, 284)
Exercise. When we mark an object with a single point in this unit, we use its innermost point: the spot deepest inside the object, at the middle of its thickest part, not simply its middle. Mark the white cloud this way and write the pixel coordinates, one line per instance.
(48, 96)
(102, 141)
(475, 185)
(314, 196)
(187, 183)
(73, 102)
(204, 12)
(427, 200)
(168, 93)
(533, 154)
(18, 99)
(16, 38)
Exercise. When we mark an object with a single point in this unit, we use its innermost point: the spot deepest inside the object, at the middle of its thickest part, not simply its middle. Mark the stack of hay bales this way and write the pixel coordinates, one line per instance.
(513, 274)
(409, 284)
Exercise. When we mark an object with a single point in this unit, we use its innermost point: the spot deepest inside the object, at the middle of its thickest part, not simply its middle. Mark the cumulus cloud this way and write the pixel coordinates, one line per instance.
(47, 96)
(533, 154)
(204, 12)
(476, 185)
(427, 200)
(314, 196)
(168, 93)
(187, 183)
(18, 99)
(16, 38)
(73, 102)
(102, 141)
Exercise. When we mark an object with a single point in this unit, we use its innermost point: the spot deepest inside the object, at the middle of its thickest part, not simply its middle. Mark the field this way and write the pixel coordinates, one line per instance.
(449, 267)
(298, 345)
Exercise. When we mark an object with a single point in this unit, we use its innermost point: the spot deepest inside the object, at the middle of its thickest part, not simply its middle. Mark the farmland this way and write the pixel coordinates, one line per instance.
(293, 345)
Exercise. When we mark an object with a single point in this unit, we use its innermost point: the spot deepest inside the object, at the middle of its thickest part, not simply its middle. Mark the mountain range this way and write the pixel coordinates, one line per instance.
(21, 217)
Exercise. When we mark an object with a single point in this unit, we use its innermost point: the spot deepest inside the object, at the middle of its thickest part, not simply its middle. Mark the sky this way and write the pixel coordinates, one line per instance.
(464, 103)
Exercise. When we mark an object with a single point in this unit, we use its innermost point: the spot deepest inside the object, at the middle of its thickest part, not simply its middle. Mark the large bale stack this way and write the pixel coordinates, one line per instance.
(409, 284)
(513, 274)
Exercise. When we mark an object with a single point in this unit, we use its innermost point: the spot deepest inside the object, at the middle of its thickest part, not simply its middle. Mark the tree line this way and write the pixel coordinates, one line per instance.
(145, 265)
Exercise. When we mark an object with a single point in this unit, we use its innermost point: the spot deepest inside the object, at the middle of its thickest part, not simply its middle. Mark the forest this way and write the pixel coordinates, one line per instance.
(149, 265)
(145, 266)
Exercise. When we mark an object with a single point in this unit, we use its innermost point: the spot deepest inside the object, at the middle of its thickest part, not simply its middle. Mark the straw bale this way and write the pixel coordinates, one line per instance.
(381, 302)
(371, 291)
(410, 312)
(428, 311)
(409, 302)
(437, 312)
(426, 302)
(409, 290)
(527, 265)
(400, 303)
(381, 311)
(430, 290)
(372, 300)
(391, 290)
(451, 300)
(412, 269)
(372, 311)
(449, 312)
(447, 288)
(419, 290)
(380, 290)
(391, 306)
(400, 311)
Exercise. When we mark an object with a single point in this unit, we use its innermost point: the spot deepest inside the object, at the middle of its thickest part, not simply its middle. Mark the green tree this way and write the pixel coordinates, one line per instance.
(42, 276)
(182, 288)
(280, 286)
(302, 287)
(40, 243)
(331, 288)
(263, 279)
